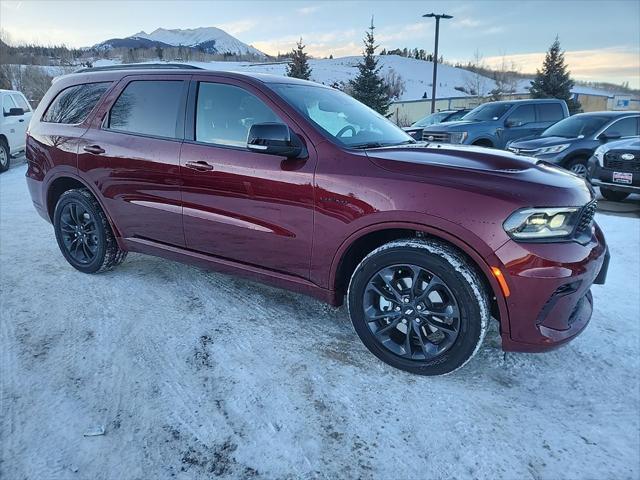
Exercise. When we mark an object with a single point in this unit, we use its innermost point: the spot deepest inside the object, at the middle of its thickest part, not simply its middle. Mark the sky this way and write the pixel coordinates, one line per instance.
(601, 38)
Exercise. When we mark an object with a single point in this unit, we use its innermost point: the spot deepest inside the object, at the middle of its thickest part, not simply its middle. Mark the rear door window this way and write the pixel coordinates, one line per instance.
(73, 104)
(627, 127)
(523, 114)
(149, 107)
(549, 112)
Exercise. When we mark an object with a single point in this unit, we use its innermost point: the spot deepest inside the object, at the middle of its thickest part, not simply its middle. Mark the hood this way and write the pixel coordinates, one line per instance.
(540, 142)
(457, 126)
(631, 144)
(501, 173)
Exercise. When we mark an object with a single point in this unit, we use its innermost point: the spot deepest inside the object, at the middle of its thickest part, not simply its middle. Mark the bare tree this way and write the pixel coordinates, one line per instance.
(476, 83)
(506, 78)
(394, 83)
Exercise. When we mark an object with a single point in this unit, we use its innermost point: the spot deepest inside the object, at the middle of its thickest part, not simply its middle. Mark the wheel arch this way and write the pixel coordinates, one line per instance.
(484, 142)
(63, 183)
(360, 244)
(583, 154)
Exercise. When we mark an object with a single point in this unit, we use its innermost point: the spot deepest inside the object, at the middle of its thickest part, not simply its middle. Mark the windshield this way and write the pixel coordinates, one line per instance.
(340, 116)
(431, 119)
(487, 112)
(574, 127)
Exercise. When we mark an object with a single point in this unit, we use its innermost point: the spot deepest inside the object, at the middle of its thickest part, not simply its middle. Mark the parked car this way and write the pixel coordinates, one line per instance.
(615, 168)
(416, 129)
(293, 183)
(570, 142)
(16, 114)
(495, 124)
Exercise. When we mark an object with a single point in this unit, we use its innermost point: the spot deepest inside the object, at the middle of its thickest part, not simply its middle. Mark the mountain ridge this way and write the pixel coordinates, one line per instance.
(206, 39)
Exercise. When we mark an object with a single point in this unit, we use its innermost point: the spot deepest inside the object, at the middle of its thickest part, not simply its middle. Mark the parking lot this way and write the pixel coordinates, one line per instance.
(186, 373)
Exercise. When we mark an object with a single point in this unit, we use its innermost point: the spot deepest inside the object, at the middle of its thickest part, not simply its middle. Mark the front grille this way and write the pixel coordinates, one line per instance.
(440, 137)
(525, 152)
(613, 161)
(586, 217)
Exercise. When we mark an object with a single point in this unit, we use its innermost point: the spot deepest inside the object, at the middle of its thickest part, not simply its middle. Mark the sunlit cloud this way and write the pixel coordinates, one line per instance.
(615, 64)
(241, 26)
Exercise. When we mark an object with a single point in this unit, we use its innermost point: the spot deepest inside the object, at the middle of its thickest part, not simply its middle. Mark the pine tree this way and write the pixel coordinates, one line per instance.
(369, 87)
(299, 66)
(554, 81)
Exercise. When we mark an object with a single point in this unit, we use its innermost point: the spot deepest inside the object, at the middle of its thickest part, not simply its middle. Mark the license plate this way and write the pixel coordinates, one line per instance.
(623, 177)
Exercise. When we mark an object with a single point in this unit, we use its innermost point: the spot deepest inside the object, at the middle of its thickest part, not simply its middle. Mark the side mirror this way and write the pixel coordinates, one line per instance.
(274, 139)
(14, 112)
(605, 137)
(512, 123)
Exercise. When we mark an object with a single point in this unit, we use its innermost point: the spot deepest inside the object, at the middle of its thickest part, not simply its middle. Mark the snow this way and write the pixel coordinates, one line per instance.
(196, 374)
(193, 37)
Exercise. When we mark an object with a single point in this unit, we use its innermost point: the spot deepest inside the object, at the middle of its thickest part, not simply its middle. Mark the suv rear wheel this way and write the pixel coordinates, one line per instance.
(5, 158)
(613, 195)
(419, 306)
(84, 234)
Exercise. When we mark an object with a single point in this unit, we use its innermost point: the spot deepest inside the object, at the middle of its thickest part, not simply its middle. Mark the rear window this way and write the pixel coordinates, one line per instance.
(148, 107)
(73, 104)
(549, 112)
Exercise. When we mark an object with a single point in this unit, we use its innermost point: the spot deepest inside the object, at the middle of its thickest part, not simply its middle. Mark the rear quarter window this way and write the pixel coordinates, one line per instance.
(148, 107)
(73, 104)
(549, 112)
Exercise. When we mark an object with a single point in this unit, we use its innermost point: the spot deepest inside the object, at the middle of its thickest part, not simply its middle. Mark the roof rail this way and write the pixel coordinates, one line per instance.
(140, 66)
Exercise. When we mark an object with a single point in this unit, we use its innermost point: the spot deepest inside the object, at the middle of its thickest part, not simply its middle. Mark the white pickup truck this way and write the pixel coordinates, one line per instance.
(16, 114)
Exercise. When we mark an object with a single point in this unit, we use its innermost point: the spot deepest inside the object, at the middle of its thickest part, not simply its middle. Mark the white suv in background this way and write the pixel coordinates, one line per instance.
(16, 114)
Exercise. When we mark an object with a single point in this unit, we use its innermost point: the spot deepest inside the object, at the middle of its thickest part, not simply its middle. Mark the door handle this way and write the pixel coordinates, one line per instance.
(95, 149)
(21, 120)
(200, 165)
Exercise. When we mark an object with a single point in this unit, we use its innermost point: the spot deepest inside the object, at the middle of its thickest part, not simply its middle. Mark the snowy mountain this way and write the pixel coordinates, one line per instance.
(207, 39)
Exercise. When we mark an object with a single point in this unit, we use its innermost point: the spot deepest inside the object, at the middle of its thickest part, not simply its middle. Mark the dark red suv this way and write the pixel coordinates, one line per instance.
(299, 185)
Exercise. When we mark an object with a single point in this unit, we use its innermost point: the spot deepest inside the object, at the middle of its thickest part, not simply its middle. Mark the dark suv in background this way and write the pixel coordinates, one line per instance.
(572, 141)
(495, 124)
(300, 185)
(416, 129)
(615, 168)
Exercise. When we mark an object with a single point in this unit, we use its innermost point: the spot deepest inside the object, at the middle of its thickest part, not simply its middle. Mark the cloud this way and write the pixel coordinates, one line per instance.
(308, 10)
(241, 26)
(614, 64)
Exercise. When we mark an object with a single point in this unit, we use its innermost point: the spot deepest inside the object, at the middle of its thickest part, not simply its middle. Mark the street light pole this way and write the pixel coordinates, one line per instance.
(435, 56)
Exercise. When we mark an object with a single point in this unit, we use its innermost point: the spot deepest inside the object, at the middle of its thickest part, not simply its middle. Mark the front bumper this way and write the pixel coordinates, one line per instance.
(603, 178)
(550, 301)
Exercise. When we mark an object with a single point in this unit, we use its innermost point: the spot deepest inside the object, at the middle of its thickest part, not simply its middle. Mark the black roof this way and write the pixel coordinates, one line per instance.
(177, 68)
(140, 66)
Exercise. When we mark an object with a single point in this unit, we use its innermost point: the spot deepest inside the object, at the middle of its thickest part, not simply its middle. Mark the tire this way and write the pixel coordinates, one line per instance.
(613, 195)
(483, 143)
(578, 166)
(5, 157)
(462, 289)
(100, 251)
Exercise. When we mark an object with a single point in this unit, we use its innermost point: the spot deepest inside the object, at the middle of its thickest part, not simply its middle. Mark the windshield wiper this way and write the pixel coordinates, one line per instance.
(380, 144)
(367, 145)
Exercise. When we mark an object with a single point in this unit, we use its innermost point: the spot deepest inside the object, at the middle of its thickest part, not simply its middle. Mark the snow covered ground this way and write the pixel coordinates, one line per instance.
(193, 374)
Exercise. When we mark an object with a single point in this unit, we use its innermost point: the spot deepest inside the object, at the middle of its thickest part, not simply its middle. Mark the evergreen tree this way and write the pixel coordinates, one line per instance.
(554, 80)
(369, 87)
(299, 66)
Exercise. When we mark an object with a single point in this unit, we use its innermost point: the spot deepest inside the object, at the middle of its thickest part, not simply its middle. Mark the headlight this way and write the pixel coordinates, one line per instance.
(540, 223)
(599, 154)
(554, 149)
(458, 137)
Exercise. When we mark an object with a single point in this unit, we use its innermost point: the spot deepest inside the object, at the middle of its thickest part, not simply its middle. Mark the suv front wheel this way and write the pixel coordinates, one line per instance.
(419, 306)
(84, 234)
